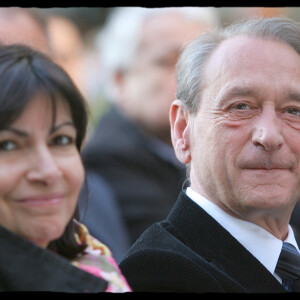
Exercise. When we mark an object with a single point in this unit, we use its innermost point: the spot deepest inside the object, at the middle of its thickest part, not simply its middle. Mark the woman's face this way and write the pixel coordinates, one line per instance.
(41, 172)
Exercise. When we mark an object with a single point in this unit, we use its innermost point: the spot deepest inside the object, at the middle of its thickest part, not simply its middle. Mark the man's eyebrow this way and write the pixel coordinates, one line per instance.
(294, 95)
(232, 92)
(57, 127)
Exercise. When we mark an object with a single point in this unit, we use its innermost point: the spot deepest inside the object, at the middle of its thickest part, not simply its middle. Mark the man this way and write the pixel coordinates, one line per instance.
(23, 26)
(131, 146)
(236, 125)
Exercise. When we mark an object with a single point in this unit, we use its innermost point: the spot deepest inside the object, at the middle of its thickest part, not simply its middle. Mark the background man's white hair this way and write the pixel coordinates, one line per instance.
(118, 40)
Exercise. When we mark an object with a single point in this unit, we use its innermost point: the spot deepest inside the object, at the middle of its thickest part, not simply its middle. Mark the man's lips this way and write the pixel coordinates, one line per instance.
(266, 164)
(266, 169)
(254, 158)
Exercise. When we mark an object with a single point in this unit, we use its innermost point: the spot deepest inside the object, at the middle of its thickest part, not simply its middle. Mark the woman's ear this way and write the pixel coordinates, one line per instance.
(180, 131)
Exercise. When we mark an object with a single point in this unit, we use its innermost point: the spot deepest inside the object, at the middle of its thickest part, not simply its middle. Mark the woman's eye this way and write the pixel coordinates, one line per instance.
(7, 146)
(62, 140)
(293, 111)
(241, 106)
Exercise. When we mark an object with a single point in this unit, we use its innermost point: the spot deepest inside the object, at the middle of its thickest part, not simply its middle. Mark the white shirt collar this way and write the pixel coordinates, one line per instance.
(259, 242)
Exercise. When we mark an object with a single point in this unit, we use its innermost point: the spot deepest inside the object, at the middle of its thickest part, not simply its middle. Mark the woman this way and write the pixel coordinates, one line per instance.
(43, 122)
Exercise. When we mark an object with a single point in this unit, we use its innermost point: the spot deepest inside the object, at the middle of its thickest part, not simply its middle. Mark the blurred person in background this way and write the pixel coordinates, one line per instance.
(66, 44)
(23, 26)
(131, 145)
(74, 50)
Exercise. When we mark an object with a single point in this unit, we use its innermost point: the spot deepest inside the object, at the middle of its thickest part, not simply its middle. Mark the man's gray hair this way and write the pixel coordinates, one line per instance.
(193, 59)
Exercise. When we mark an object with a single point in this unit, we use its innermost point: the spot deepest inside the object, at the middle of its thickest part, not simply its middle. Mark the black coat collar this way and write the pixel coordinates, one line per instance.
(210, 240)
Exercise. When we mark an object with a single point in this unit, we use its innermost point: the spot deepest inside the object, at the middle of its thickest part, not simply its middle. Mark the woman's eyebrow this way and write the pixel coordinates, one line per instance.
(16, 131)
(57, 127)
(24, 134)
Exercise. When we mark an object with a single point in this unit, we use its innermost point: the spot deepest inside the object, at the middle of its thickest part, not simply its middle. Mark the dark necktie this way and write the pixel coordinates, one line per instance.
(288, 267)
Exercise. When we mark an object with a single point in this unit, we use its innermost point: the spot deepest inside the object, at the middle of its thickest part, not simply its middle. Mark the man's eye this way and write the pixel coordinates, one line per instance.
(166, 62)
(7, 146)
(241, 106)
(293, 111)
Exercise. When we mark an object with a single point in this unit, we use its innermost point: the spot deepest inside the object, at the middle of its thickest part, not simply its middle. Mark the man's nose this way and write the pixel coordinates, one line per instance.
(267, 131)
(43, 167)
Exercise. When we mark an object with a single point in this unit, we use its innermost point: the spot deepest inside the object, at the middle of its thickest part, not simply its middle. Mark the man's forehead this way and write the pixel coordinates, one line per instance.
(244, 47)
(249, 54)
(230, 50)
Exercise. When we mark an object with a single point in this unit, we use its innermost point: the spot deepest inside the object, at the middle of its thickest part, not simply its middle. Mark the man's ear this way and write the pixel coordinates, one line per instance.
(180, 134)
(118, 79)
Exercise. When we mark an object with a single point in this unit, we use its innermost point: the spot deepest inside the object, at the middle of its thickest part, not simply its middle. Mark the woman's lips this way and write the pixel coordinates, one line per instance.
(42, 200)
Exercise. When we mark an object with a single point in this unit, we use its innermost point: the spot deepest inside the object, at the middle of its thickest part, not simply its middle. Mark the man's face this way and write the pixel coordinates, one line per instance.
(18, 27)
(149, 87)
(245, 137)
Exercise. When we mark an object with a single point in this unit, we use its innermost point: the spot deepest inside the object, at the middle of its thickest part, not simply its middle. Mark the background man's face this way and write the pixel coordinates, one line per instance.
(150, 86)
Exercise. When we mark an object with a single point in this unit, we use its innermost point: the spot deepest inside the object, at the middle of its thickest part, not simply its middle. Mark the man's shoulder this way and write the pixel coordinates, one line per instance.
(116, 136)
(164, 263)
(191, 252)
(110, 130)
(167, 257)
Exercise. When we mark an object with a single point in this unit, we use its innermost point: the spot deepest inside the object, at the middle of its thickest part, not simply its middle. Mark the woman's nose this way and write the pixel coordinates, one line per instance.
(43, 167)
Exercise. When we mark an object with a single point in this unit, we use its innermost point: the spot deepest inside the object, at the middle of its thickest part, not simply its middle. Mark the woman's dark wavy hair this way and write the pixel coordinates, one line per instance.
(24, 73)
